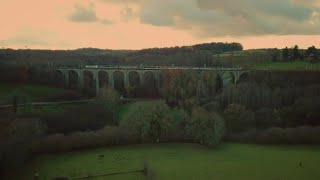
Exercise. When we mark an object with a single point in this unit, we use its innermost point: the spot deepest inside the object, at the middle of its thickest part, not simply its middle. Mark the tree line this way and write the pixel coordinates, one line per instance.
(296, 54)
(195, 55)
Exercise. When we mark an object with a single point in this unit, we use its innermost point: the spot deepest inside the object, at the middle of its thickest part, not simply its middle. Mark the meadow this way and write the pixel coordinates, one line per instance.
(33, 92)
(296, 65)
(183, 161)
(261, 59)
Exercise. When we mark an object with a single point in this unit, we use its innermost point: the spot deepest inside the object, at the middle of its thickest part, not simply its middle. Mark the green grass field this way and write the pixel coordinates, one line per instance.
(34, 92)
(296, 65)
(185, 161)
(244, 53)
(261, 59)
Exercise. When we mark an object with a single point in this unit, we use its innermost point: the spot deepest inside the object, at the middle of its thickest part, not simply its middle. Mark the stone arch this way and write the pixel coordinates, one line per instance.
(59, 78)
(103, 77)
(89, 85)
(119, 81)
(227, 78)
(161, 79)
(219, 82)
(146, 75)
(243, 77)
(150, 84)
(134, 85)
(73, 79)
(134, 79)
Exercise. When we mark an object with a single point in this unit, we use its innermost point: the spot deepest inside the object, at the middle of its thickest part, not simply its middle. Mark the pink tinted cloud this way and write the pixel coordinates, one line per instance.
(45, 24)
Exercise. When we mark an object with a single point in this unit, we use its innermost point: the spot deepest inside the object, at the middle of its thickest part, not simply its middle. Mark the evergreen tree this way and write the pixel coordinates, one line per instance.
(275, 54)
(312, 52)
(285, 54)
(295, 53)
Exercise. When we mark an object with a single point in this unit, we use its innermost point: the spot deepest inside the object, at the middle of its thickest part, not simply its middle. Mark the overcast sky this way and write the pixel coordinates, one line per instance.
(136, 24)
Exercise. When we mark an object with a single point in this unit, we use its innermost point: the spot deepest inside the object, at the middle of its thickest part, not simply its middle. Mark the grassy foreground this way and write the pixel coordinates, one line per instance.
(185, 161)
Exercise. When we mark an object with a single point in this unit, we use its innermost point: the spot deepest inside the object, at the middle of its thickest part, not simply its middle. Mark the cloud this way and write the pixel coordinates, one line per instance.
(82, 14)
(127, 9)
(33, 37)
(128, 13)
(106, 21)
(23, 41)
(214, 18)
(87, 15)
(122, 1)
(310, 3)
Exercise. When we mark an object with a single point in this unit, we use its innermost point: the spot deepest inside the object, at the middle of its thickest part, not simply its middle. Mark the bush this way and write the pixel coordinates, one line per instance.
(90, 116)
(15, 98)
(107, 136)
(213, 106)
(304, 112)
(243, 137)
(266, 118)
(206, 128)
(176, 131)
(109, 100)
(65, 96)
(273, 135)
(149, 120)
(276, 135)
(238, 119)
(25, 129)
(16, 142)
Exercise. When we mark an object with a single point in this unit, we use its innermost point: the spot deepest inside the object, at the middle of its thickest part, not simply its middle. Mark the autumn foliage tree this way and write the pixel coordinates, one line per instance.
(190, 88)
(206, 127)
(24, 73)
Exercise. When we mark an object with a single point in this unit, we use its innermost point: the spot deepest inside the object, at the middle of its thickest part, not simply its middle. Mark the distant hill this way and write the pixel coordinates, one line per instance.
(96, 51)
(195, 55)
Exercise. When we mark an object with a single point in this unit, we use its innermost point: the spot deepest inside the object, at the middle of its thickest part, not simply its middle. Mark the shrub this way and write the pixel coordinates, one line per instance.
(266, 118)
(244, 137)
(65, 96)
(304, 112)
(176, 131)
(305, 135)
(107, 136)
(213, 106)
(149, 120)
(109, 100)
(206, 128)
(90, 116)
(238, 119)
(276, 135)
(287, 117)
(16, 142)
(273, 135)
(17, 97)
(25, 129)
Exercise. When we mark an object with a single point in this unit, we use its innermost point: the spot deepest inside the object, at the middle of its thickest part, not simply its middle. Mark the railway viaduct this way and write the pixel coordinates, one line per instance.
(226, 74)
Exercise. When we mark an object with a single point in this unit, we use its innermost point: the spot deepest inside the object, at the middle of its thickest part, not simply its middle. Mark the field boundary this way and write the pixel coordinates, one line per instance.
(109, 174)
(71, 102)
